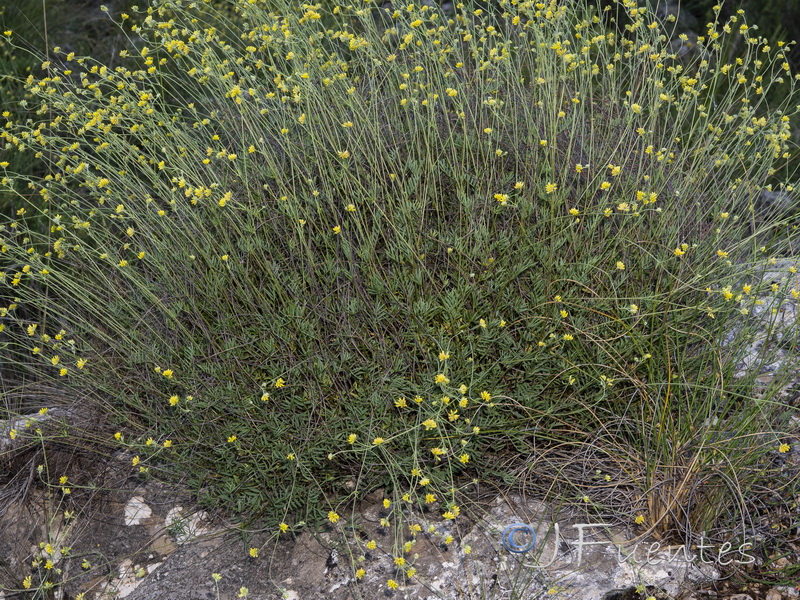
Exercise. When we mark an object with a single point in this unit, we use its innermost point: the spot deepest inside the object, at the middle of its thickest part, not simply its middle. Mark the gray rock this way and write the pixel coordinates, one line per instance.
(777, 204)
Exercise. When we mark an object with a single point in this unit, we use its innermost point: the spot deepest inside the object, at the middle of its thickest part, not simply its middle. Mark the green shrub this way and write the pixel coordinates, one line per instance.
(333, 252)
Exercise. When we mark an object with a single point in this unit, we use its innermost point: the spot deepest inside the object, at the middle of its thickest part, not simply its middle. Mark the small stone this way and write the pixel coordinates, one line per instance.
(136, 511)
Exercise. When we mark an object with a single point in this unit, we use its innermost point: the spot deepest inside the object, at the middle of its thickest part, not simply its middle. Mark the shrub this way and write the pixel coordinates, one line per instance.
(334, 251)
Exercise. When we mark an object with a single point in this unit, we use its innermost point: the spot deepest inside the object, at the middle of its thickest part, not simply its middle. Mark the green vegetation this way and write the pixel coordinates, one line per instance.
(327, 252)
(37, 27)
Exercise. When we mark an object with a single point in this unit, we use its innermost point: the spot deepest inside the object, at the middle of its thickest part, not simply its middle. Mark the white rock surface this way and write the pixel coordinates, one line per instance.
(186, 527)
(136, 511)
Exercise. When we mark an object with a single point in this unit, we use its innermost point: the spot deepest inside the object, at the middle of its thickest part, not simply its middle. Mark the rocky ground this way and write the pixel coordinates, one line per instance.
(139, 540)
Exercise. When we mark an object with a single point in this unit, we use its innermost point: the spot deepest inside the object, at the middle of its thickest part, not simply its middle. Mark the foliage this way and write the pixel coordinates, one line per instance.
(358, 249)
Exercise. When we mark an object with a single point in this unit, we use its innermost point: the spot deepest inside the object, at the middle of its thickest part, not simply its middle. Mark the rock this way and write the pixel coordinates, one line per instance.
(136, 511)
(775, 204)
(773, 594)
(28, 423)
(592, 560)
(185, 526)
(772, 321)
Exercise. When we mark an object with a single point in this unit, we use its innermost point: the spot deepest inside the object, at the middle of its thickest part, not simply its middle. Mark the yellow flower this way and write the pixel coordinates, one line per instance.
(280, 382)
(344, 154)
(253, 552)
(639, 519)
(400, 403)
(378, 441)
(168, 373)
(429, 424)
(441, 379)
(337, 230)
(392, 584)
(678, 252)
(283, 527)
(722, 254)
(333, 517)
(371, 545)
(167, 444)
(173, 400)
(360, 573)
(550, 188)
(231, 439)
(783, 448)
(620, 265)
